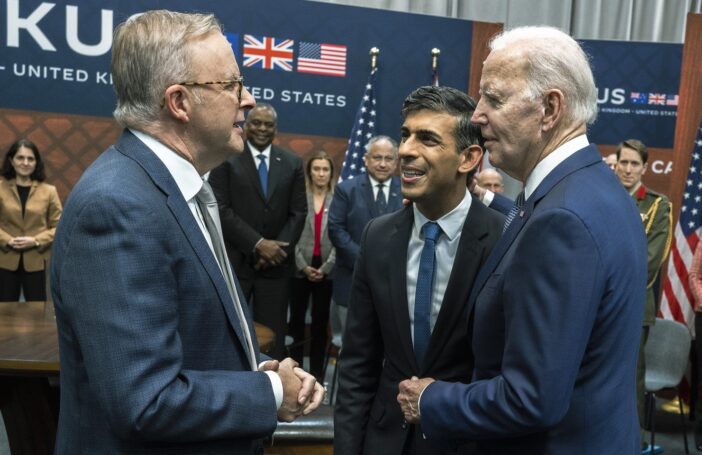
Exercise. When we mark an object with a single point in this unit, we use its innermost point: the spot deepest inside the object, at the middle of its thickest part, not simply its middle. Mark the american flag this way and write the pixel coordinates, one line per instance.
(639, 98)
(656, 98)
(268, 53)
(671, 100)
(677, 300)
(363, 129)
(324, 59)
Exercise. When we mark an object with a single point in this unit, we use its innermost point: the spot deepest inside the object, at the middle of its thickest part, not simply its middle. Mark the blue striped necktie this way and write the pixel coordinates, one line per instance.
(422, 297)
(518, 204)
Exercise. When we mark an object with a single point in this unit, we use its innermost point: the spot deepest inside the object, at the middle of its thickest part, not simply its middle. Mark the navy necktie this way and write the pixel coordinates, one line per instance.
(380, 202)
(518, 204)
(263, 172)
(422, 298)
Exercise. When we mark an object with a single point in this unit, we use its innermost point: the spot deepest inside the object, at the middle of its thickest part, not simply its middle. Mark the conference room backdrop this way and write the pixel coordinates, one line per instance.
(310, 60)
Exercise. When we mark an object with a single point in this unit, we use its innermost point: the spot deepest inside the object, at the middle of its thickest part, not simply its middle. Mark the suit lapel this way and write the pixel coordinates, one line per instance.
(398, 240)
(274, 170)
(134, 148)
(395, 199)
(465, 268)
(367, 192)
(580, 159)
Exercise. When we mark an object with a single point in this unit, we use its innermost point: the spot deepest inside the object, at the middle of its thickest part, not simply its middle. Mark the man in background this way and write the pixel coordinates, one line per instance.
(263, 204)
(491, 180)
(158, 351)
(356, 201)
(657, 218)
(556, 310)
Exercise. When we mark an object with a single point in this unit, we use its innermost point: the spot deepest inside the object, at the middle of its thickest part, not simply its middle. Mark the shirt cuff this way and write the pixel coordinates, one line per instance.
(277, 385)
(259, 241)
(488, 197)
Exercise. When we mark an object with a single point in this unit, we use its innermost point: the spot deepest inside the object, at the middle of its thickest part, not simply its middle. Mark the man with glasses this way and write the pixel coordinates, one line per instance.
(263, 205)
(158, 351)
(356, 201)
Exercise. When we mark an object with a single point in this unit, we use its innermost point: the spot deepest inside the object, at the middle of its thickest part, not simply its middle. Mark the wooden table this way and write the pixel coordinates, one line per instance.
(29, 362)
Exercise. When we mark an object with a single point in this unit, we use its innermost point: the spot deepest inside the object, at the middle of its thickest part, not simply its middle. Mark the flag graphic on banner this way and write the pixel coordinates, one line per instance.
(363, 129)
(324, 59)
(656, 98)
(268, 53)
(671, 100)
(677, 301)
(639, 98)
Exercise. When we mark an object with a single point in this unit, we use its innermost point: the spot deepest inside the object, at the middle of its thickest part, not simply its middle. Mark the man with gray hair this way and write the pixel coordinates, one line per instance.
(556, 310)
(158, 351)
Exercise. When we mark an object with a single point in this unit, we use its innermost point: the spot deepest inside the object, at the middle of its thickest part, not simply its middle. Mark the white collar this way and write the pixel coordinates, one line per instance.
(451, 224)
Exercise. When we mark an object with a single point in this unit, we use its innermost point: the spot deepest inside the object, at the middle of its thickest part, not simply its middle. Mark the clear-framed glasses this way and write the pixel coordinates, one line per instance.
(229, 85)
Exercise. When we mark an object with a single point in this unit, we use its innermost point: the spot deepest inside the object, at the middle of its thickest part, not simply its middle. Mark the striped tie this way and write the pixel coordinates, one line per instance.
(518, 204)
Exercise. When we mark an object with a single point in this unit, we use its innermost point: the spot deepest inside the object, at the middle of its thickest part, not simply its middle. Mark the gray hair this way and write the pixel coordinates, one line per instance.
(554, 60)
(379, 138)
(150, 52)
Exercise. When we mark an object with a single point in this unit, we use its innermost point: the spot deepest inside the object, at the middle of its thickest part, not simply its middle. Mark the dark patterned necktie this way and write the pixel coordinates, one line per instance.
(422, 297)
(518, 204)
(380, 202)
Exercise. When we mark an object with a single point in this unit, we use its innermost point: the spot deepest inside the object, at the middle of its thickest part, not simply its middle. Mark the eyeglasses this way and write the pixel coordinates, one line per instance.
(228, 85)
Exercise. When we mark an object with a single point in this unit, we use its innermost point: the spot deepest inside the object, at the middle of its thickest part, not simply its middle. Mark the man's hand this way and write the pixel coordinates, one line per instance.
(292, 391)
(272, 251)
(410, 391)
(311, 393)
(476, 189)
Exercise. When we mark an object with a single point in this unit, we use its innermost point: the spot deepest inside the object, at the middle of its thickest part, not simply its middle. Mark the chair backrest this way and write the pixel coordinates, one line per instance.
(667, 352)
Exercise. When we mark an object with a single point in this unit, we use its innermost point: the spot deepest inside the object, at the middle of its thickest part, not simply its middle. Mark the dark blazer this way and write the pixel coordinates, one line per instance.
(377, 348)
(247, 215)
(557, 320)
(352, 207)
(152, 352)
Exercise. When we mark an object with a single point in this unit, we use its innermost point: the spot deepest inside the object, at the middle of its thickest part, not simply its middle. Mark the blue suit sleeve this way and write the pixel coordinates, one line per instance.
(549, 303)
(346, 248)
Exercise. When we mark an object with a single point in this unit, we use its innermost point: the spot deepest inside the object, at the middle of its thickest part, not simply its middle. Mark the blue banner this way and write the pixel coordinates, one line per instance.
(310, 60)
(637, 86)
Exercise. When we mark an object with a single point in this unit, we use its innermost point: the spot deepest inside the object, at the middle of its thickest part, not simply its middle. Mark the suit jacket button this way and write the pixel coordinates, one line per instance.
(404, 424)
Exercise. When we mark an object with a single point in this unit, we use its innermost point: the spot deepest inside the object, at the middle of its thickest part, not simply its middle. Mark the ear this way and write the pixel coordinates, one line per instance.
(554, 109)
(470, 158)
(178, 103)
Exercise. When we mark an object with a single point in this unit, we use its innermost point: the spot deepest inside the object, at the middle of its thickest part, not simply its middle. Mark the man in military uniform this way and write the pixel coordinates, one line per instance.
(656, 215)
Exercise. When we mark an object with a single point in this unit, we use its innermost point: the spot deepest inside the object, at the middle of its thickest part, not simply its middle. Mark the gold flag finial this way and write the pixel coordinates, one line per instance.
(435, 52)
(374, 57)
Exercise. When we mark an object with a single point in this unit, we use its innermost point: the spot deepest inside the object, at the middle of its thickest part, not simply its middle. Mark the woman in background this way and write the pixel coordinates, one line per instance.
(314, 258)
(29, 212)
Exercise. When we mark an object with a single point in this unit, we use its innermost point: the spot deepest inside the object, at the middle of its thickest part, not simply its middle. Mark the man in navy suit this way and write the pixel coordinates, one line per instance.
(158, 351)
(388, 337)
(356, 201)
(556, 310)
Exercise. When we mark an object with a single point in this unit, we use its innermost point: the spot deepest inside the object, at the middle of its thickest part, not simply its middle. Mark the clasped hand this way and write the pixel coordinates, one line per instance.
(301, 392)
(410, 391)
(22, 243)
(270, 253)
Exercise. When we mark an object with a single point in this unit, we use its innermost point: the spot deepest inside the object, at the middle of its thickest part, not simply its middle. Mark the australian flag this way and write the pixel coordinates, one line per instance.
(639, 98)
(363, 129)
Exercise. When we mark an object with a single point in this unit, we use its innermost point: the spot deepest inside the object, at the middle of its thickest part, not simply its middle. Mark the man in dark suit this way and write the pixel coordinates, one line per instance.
(356, 201)
(401, 321)
(263, 205)
(158, 353)
(556, 309)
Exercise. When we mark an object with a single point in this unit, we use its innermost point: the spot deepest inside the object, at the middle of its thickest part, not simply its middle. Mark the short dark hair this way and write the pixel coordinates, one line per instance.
(450, 101)
(8, 171)
(320, 155)
(634, 144)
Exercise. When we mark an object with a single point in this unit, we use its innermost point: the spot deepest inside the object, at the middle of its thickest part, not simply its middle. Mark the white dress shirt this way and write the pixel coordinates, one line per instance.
(189, 183)
(446, 247)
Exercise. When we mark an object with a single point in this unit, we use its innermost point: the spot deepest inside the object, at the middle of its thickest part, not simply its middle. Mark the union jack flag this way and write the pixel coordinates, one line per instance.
(268, 53)
(363, 129)
(677, 301)
(656, 98)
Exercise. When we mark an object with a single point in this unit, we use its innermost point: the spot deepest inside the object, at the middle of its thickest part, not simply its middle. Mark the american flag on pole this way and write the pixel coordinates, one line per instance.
(268, 53)
(363, 129)
(677, 301)
(321, 58)
(435, 77)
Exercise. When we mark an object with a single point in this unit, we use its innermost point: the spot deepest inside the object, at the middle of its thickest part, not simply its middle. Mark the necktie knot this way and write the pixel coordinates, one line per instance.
(206, 195)
(431, 231)
(262, 157)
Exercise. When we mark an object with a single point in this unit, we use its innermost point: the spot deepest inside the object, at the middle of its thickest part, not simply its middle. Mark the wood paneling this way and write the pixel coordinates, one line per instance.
(482, 33)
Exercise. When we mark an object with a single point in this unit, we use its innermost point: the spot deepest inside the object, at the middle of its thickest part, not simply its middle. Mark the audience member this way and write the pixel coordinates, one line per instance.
(491, 180)
(611, 161)
(357, 201)
(415, 269)
(29, 212)
(314, 257)
(695, 281)
(158, 352)
(262, 201)
(632, 158)
(556, 308)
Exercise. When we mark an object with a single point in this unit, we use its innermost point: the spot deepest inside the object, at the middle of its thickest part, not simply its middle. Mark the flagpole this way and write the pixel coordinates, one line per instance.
(374, 52)
(435, 52)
